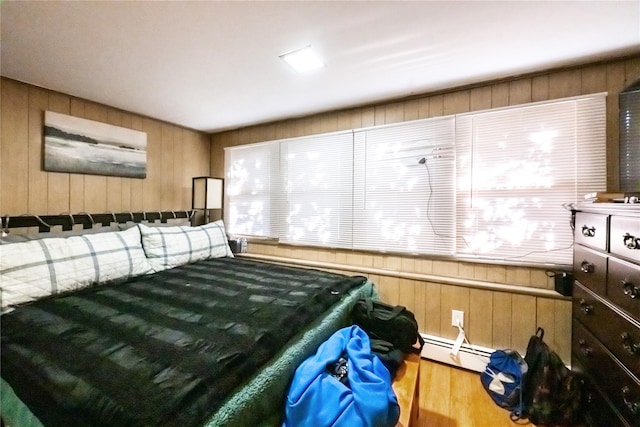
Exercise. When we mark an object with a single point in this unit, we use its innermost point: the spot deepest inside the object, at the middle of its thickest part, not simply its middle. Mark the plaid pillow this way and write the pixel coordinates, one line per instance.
(168, 247)
(38, 268)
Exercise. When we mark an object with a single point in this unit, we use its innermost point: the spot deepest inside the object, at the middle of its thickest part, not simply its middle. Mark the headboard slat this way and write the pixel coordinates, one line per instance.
(44, 222)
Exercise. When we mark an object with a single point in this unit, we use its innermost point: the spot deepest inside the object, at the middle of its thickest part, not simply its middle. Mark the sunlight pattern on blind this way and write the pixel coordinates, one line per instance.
(251, 188)
(318, 183)
(517, 168)
(484, 185)
(404, 191)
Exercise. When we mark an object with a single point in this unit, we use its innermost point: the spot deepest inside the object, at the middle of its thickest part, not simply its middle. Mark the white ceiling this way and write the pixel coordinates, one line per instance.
(213, 65)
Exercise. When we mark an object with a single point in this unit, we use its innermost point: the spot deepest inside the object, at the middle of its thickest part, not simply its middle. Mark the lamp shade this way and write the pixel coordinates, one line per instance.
(207, 193)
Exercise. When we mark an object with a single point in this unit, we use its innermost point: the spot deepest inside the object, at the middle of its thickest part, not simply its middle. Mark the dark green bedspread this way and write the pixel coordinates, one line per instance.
(165, 349)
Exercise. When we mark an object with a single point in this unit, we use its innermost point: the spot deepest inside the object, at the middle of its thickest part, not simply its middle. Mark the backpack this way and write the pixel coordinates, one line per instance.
(553, 393)
(394, 324)
(326, 391)
(504, 379)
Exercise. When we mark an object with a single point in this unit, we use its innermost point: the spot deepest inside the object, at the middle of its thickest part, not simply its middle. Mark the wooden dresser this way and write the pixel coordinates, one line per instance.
(606, 310)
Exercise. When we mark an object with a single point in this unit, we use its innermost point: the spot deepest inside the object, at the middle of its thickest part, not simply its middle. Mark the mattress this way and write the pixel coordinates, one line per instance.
(210, 343)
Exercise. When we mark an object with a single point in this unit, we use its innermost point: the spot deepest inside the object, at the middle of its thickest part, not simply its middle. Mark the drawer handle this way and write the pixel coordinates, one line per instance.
(628, 344)
(584, 348)
(634, 407)
(585, 307)
(630, 290)
(631, 242)
(589, 398)
(587, 267)
(588, 231)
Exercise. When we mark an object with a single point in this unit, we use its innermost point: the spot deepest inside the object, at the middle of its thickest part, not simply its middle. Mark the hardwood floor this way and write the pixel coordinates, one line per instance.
(453, 397)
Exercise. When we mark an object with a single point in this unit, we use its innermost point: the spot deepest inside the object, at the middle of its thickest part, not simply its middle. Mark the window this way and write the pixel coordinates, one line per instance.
(317, 206)
(252, 189)
(404, 193)
(517, 167)
(490, 184)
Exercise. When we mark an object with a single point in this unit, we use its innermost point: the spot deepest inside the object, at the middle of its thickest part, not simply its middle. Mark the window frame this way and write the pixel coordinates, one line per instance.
(458, 162)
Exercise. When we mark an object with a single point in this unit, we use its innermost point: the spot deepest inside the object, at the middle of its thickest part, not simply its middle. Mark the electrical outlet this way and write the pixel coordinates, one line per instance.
(457, 318)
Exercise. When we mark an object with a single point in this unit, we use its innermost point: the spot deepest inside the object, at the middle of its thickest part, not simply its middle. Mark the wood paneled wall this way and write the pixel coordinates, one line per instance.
(495, 319)
(174, 156)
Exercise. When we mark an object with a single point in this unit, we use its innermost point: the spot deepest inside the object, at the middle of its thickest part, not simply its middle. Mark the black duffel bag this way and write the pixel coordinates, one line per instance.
(394, 324)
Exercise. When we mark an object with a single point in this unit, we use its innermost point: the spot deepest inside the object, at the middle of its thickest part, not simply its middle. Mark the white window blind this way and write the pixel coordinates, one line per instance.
(252, 189)
(490, 185)
(404, 191)
(318, 181)
(516, 167)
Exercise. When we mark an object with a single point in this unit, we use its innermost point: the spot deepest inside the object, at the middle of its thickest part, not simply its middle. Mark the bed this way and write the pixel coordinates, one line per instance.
(175, 332)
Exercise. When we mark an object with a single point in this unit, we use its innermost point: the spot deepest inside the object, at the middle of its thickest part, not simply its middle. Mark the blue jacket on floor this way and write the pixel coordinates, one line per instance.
(317, 398)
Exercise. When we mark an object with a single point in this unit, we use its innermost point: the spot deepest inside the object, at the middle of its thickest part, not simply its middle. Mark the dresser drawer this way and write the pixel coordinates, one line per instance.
(619, 334)
(623, 286)
(591, 230)
(599, 411)
(622, 388)
(590, 268)
(625, 237)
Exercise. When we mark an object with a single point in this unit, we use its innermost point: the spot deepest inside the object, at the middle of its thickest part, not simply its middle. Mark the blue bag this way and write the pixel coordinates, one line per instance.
(320, 395)
(504, 378)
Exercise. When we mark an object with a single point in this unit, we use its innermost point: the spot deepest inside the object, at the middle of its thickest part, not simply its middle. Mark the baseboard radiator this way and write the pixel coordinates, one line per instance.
(471, 357)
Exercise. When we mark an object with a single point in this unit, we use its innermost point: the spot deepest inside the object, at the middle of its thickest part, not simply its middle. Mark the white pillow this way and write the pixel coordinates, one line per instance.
(38, 268)
(168, 247)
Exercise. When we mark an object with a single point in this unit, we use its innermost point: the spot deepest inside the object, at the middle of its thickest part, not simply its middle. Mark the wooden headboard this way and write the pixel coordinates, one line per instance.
(46, 222)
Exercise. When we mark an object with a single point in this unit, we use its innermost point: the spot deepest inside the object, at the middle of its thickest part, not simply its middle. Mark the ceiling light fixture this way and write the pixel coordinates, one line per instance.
(302, 60)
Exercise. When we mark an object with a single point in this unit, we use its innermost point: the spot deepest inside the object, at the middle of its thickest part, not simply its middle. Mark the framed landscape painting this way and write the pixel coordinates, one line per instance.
(76, 145)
